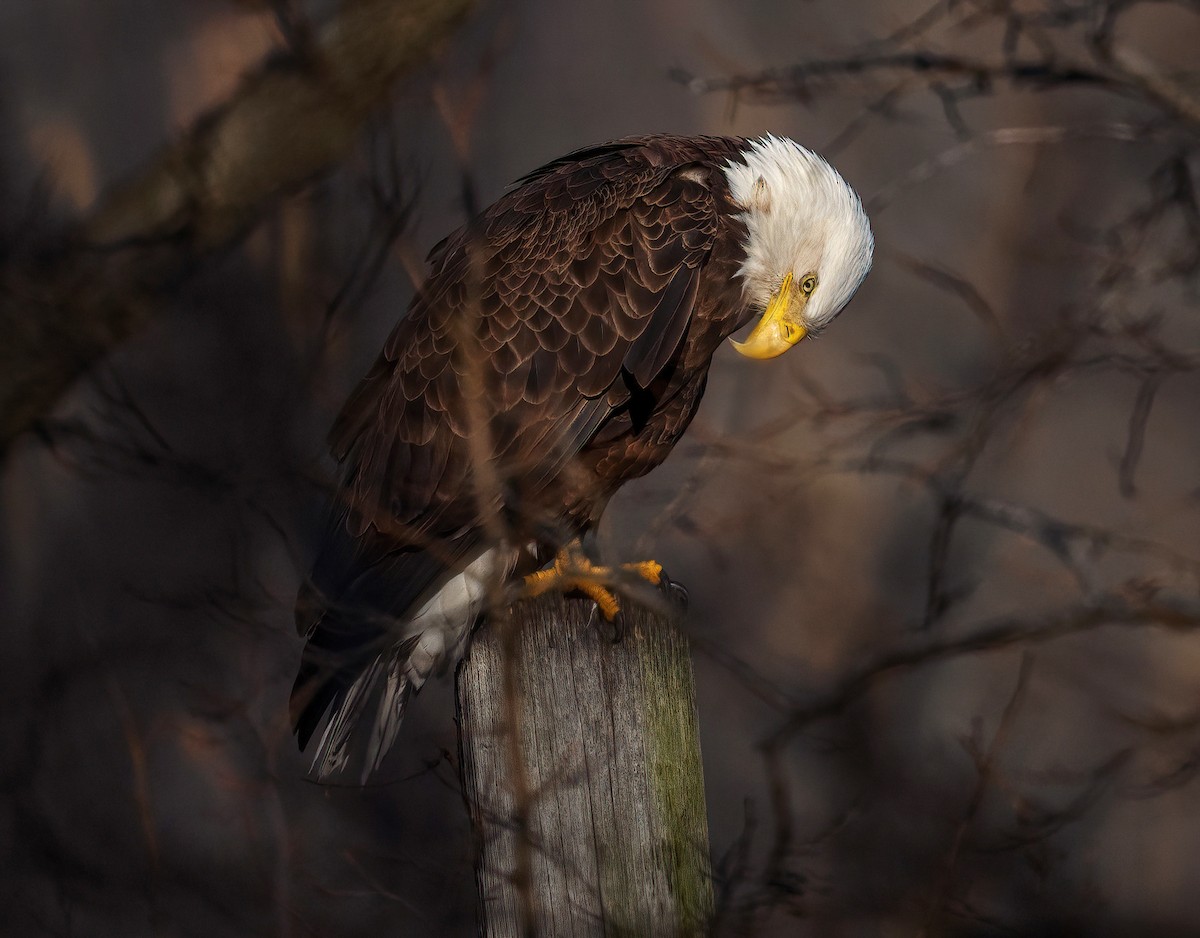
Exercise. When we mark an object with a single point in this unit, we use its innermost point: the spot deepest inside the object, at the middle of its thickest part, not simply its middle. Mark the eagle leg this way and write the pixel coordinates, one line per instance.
(574, 572)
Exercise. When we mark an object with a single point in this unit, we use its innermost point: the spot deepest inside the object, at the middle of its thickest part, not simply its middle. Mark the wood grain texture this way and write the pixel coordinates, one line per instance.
(582, 773)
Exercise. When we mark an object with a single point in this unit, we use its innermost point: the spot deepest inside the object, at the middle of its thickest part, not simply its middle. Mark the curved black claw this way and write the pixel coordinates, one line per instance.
(618, 627)
(675, 591)
(597, 621)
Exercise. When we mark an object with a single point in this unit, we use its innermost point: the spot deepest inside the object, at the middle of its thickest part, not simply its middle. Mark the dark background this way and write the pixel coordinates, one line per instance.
(944, 563)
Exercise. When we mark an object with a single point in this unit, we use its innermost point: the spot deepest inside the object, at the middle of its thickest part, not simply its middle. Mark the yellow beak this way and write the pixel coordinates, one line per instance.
(778, 330)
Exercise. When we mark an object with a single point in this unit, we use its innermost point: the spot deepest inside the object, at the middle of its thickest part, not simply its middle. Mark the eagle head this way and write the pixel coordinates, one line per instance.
(808, 243)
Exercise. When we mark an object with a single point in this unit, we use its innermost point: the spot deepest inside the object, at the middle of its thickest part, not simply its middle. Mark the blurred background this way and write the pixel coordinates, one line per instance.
(944, 564)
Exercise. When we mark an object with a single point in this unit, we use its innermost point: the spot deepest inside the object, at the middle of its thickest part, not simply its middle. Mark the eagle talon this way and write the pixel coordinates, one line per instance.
(573, 572)
(618, 627)
(675, 591)
(605, 601)
(649, 570)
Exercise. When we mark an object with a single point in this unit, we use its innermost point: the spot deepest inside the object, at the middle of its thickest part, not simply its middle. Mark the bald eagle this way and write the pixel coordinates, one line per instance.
(558, 348)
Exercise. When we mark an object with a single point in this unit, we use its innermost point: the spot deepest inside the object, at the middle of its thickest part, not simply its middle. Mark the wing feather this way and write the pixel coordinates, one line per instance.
(658, 342)
(584, 277)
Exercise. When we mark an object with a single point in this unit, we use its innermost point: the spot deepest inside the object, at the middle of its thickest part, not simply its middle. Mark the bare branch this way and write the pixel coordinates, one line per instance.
(291, 119)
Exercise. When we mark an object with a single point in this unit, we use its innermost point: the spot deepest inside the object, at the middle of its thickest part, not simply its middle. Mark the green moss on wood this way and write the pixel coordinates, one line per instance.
(677, 776)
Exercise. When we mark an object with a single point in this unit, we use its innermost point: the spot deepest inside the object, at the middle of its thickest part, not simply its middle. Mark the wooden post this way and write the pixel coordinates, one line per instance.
(581, 769)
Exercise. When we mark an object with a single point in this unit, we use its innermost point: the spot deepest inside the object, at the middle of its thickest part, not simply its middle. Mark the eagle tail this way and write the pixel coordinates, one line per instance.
(349, 704)
(358, 660)
(393, 701)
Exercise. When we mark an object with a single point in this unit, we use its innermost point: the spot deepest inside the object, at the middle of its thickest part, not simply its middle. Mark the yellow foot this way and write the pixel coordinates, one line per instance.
(573, 572)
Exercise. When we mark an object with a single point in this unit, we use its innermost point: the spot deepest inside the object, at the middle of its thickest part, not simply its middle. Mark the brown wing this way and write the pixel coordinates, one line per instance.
(588, 270)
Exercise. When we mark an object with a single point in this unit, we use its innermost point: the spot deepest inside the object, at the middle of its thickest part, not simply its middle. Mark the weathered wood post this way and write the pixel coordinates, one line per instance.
(581, 769)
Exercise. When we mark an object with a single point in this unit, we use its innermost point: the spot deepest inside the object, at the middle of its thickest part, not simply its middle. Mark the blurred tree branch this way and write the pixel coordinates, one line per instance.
(292, 118)
(1130, 319)
(908, 61)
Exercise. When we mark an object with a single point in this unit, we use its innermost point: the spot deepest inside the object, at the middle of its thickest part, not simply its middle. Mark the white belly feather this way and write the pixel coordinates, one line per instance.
(444, 622)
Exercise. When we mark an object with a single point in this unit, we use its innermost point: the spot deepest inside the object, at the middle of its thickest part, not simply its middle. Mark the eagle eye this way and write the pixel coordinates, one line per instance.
(808, 284)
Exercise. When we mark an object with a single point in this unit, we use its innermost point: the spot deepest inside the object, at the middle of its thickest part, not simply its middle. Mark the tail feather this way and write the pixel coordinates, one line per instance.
(348, 656)
(393, 701)
(312, 695)
(378, 642)
(333, 748)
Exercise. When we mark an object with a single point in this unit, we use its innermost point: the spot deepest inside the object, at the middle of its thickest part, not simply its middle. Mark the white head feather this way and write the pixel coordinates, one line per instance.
(802, 217)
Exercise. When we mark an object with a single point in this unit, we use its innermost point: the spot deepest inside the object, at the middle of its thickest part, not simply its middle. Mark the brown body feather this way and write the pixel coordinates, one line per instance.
(564, 336)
